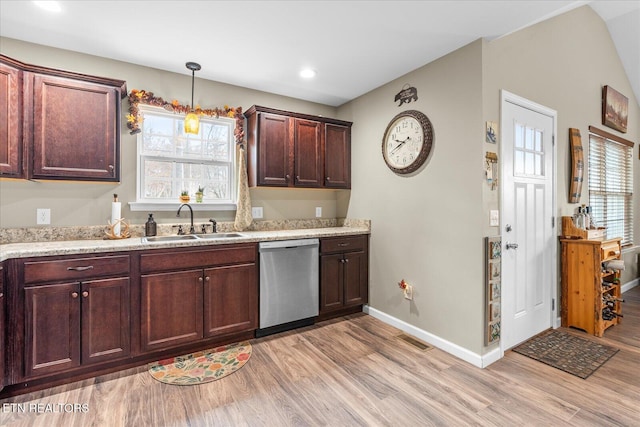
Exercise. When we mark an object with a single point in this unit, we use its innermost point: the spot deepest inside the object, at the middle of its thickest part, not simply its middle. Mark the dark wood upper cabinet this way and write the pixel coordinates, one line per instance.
(337, 156)
(307, 157)
(287, 149)
(10, 121)
(60, 124)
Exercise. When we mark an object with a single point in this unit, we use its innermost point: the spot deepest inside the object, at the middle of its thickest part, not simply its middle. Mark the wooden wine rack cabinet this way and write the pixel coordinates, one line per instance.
(586, 284)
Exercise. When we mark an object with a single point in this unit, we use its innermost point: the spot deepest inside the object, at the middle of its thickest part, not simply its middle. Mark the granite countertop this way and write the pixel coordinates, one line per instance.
(90, 246)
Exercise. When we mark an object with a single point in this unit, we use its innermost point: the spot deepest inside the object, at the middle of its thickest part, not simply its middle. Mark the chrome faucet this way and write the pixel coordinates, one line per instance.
(192, 229)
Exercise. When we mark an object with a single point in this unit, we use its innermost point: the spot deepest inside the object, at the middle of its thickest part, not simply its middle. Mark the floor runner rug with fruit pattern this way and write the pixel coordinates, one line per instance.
(203, 366)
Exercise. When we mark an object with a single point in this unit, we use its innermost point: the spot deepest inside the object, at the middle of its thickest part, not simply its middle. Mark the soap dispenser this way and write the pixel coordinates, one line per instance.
(150, 227)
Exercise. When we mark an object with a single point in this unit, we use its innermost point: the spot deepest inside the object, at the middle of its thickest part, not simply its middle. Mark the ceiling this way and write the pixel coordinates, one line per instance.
(355, 46)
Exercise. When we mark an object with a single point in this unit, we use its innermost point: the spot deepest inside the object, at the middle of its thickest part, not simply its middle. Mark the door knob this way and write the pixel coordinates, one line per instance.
(512, 246)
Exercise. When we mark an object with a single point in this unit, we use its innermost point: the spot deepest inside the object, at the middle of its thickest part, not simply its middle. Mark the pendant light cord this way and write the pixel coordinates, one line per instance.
(193, 76)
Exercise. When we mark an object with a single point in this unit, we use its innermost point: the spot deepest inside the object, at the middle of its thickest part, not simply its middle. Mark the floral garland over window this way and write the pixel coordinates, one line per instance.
(134, 119)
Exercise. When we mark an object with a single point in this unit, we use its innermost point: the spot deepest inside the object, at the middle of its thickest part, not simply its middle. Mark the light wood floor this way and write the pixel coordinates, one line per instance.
(357, 372)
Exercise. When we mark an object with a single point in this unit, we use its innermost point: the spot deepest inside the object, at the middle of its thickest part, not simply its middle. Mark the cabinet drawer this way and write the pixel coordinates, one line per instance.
(610, 250)
(182, 259)
(343, 244)
(75, 269)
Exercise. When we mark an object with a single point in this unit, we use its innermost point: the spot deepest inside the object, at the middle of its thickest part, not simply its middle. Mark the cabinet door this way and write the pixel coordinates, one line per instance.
(331, 282)
(52, 329)
(2, 350)
(230, 299)
(171, 309)
(337, 156)
(105, 320)
(10, 121)
(356, 278)
(275, 161)
(75, 130)
(308, 153)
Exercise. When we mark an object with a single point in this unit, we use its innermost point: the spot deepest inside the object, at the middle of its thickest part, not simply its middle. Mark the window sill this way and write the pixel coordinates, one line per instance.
(173, 206)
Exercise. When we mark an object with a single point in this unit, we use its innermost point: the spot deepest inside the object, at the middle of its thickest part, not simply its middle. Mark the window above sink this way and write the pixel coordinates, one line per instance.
(171, 161)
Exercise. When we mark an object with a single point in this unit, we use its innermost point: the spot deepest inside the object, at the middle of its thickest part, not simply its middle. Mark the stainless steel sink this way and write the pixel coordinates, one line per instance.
(181, 237)
(169, 238)
(214, 236)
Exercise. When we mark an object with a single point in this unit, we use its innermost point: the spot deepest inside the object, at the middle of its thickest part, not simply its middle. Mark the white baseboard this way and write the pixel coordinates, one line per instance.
(436, 341)
(481, 361)
(630, 285)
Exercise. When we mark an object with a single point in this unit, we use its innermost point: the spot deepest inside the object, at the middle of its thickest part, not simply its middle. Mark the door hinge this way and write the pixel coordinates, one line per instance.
(553, 140)
(553, 222)
(553, 304)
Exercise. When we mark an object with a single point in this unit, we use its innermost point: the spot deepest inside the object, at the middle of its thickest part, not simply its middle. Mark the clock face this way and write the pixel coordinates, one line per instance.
(407, 141)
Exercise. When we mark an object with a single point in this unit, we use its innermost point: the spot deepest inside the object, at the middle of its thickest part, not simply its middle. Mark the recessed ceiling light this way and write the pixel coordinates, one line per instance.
(308, 73)
(51, 6)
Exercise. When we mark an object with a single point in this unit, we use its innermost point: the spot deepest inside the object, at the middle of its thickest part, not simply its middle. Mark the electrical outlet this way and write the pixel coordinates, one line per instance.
(257, 212)
(318, 212)
(43, 216)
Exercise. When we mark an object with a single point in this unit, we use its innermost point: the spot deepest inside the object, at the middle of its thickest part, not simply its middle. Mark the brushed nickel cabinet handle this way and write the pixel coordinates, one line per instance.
(85, 268)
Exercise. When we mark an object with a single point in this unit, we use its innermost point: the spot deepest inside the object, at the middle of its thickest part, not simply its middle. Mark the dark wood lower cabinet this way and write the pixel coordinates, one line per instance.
(171, 309)
(52, 329)
(344, 273)
(230, 299)
(183, 306)
(3, 373)
(105, 320)
(70, 324)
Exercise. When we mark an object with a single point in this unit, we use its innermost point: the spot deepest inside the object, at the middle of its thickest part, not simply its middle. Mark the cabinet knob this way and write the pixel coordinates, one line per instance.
(328, 179)
(74, 295)
(207, 279)
(297, 178)
(200, 279)
(1, 294)
(346, 260)
(85, 294)
(110, 167)
(287, 177)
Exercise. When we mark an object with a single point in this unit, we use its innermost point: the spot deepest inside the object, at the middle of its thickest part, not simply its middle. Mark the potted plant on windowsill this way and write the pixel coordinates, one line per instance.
(199, 194)
(184, 196)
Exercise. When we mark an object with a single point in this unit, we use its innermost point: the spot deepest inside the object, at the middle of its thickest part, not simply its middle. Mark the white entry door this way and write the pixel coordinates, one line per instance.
(529, 242)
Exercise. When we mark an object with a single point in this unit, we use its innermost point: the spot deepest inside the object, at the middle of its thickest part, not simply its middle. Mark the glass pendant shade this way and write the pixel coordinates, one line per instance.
(192, 123)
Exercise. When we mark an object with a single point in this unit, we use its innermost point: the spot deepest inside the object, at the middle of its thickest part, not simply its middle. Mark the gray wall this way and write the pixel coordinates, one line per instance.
(429, 228)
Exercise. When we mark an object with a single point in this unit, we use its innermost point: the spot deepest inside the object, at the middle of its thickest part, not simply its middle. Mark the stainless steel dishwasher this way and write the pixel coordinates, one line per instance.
(289, 292)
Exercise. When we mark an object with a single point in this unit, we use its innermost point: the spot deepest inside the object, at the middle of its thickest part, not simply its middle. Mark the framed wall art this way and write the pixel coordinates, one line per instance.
(615, 109)
(493, 290)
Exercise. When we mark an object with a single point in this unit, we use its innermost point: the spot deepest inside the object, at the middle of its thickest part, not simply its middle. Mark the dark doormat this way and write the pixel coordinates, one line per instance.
(578, 356)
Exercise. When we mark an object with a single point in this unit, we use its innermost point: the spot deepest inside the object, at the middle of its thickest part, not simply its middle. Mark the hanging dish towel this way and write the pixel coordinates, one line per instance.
(243, 211)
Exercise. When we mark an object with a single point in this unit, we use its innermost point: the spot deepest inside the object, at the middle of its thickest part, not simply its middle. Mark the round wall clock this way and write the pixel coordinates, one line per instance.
(407, 141)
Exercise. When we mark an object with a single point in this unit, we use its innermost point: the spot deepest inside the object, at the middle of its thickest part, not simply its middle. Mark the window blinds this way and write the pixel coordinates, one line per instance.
(611, 184)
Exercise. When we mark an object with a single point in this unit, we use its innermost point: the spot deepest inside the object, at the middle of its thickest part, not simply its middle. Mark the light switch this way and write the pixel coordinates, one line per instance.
(494, 218)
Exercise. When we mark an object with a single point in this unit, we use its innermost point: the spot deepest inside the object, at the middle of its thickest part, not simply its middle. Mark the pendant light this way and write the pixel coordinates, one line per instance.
(192, 121)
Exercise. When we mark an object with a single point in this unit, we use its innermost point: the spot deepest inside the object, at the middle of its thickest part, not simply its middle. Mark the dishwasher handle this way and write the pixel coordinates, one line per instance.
(288, 244)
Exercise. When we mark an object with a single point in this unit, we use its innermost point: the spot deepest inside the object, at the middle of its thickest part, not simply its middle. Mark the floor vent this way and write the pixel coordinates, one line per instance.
(414, 342)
